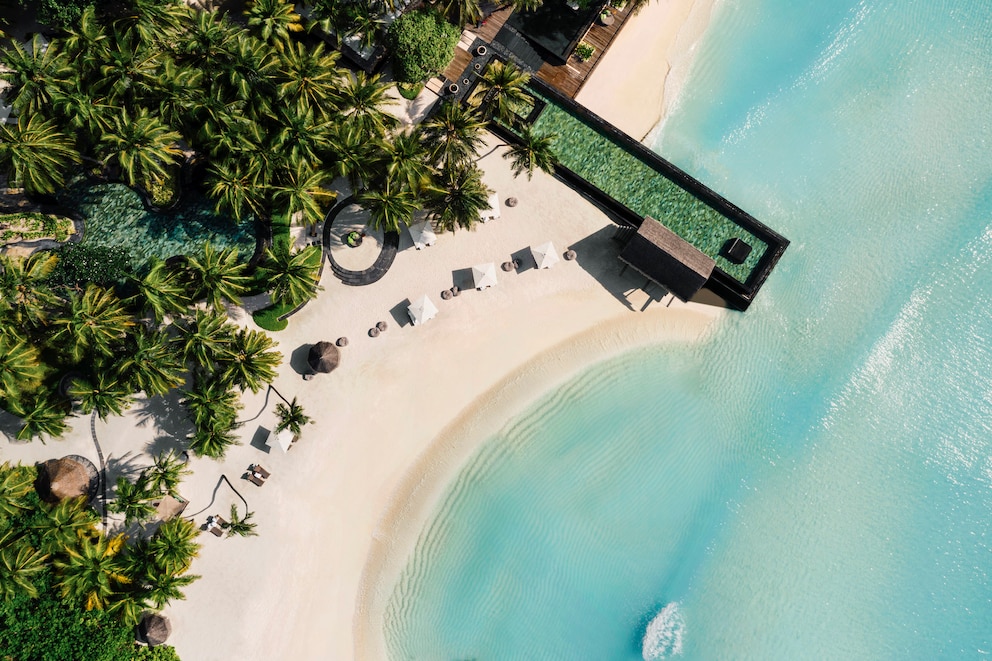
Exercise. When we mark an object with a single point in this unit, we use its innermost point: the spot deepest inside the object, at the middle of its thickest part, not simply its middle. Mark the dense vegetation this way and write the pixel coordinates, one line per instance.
(422, 43)
(70, 592)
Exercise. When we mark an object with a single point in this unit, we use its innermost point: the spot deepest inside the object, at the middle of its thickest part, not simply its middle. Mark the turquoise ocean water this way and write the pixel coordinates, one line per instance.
(815, 481)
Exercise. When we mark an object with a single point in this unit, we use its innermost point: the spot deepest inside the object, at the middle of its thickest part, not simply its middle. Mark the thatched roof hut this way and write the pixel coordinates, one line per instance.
(71, 476)
(663, 256)
(323, 357)
(154, 629)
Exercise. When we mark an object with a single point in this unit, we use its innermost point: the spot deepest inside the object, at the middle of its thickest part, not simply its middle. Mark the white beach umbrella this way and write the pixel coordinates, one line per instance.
(544, 255)
(282, 440)
(421, 310)
(422, 234)
(493, 210)
(484, 275)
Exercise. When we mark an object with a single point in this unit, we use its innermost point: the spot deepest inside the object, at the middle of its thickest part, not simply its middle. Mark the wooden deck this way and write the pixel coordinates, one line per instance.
(567, 78)
(570, 77)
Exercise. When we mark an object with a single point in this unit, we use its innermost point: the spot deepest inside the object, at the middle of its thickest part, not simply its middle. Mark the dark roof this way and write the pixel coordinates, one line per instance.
(555, 27)
(736, 250)
(663, 256)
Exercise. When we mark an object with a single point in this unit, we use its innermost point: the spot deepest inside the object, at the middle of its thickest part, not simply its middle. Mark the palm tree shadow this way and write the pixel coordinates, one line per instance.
(166, 413)
(124, 466)
(166, 443)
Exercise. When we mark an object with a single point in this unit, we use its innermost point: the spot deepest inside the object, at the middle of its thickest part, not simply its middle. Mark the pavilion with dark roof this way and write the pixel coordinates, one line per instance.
(662, 256)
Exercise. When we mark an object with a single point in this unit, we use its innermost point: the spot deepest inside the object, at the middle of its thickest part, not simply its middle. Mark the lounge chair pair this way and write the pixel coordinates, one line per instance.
(257, 475)
(215, 524)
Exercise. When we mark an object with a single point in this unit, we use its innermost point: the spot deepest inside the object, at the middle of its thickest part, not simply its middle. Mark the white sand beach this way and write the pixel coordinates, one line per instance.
(643, 70)
(393, 424)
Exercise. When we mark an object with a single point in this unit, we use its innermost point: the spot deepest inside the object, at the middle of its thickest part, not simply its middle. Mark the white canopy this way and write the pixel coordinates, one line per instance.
(282, 440)
(544, 255)
(484, 275)
(493, 210)
(421, 310)
(422, 234)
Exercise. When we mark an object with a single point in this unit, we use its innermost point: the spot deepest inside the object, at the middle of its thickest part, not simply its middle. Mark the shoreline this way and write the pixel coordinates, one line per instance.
(413, 504)
(647, 64)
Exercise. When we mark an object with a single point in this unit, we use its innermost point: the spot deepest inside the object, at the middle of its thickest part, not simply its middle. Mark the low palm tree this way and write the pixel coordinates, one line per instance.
(133, 500)
(462, 12)
(404, 159)
(212, 403)
(95, 323)
(21, 370)
(165, 473)
(27, 299)
(104, 392)
(235, 188)
(142, 145)
(362, 100)
(308, 77)
(16, 482)
(274, 21)
(217, 276)
(291, 277)
(36, 154)
(204, 337)
(92, 571)
(250, 362)
(390, 206)
(161, 291)
(20, 564)
(531, 152)
(237, 525)
(501, 87)
(151, 364)
(352, 154)
(163, 587)
(212, 441)
(457, 198)
(35, 74)
(64, 525)
(291, 417)
(174, 545)
(300, 191)
(41, 413)
(453, 135)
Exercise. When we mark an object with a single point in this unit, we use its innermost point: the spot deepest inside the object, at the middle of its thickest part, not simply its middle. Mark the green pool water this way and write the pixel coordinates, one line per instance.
(114, 215)
(638, 185)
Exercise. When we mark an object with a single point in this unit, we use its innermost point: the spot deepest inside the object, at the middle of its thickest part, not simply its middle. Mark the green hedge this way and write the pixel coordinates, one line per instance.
(422, 43)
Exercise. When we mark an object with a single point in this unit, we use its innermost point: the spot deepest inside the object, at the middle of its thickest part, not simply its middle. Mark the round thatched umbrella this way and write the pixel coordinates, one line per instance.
(342, 342)
(323, 357)
(446, 294)
(154, 629)
(382, 326)
(69, 477)
(373, 332)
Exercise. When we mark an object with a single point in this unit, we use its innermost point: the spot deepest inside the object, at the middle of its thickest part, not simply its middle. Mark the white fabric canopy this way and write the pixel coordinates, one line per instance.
(422, 234)
(544, 255)
(282, 440)
(421, 310)
(484, 275)
(493, 210)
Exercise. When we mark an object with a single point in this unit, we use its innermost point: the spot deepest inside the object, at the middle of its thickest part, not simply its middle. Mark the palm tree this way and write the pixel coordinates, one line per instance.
(457, 198)
(235, 188)
(163, 587)
(204, 337)
(133, 500)
(151, 364)
(212, 403)
(21, 370)
(161, 291)
(127, 68)
(404, 159)
(250, 361)
(41, 413)
(165, 474)
(291, 417)
(291, 277)
(299, 192)
(244, 527)
(174, 545)
(16, 482)
(96, 322)
(299, 138)
(212, 441)
(390, 206)
(142, 145)
(531, 152)
(453, 135)
(35, 74)
(500, 88)
(19, 565)
(64, 525)
(308, 76)
(362, 100)
(217, 275)
(105, 392)
(352, 154)
(274, 20)
(27, 299)
(36, 153)
(462, 12)
(92, 571)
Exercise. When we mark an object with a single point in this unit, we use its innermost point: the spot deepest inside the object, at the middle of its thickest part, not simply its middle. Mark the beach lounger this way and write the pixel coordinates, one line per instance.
(261, 471)
(257, 481)
(216, 530)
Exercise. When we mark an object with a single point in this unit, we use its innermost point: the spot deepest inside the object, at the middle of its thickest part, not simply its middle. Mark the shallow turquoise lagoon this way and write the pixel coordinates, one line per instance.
(815, 482)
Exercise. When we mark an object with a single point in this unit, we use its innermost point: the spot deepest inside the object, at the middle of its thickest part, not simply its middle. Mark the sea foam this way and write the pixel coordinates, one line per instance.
(663, 636)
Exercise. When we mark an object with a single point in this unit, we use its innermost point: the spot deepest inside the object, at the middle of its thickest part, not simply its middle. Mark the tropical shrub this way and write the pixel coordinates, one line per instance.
(423, 43)
(79, 264)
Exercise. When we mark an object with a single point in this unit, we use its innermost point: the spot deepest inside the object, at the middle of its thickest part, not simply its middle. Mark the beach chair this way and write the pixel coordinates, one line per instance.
(257, 481)
(261, 471)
